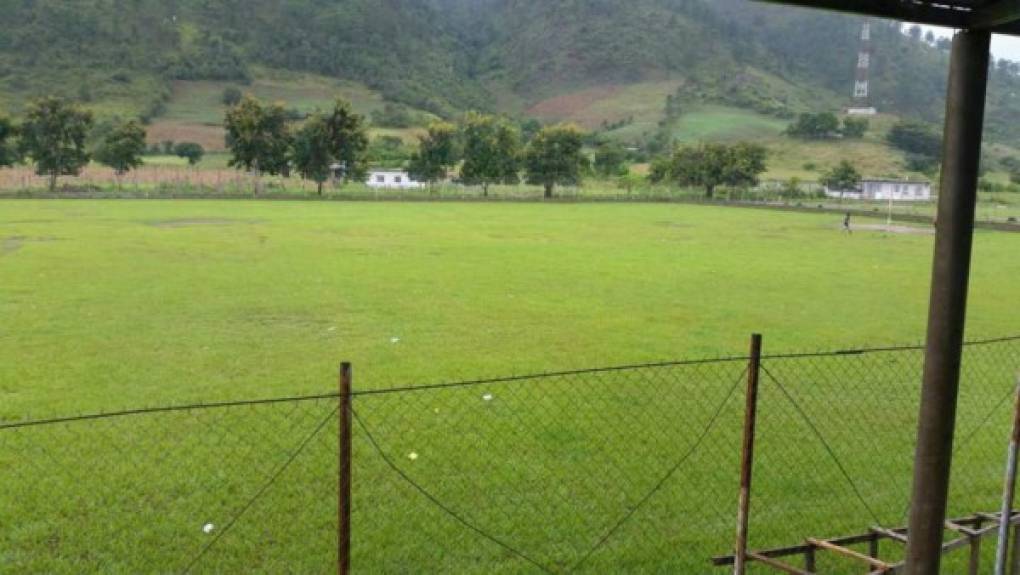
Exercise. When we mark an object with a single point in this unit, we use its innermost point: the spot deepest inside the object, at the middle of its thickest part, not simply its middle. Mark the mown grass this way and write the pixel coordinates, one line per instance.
(709, 123)
(111, 304)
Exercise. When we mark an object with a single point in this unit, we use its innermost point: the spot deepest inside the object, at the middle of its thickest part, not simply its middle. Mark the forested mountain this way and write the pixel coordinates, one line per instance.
(446, 56)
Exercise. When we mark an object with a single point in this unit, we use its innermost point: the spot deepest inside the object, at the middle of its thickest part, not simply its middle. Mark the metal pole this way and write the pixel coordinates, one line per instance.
(344, 476)
(965, 106)
(1015, 568)
(1008, 491)
(747, 454)
(974, 567)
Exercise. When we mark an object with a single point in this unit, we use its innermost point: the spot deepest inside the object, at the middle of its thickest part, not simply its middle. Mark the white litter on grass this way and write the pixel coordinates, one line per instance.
(487, 397)
(394, 340)
(208, 528)
(412, 456)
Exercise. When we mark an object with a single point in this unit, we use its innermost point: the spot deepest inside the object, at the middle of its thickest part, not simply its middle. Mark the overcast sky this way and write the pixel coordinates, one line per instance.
(1002, 46)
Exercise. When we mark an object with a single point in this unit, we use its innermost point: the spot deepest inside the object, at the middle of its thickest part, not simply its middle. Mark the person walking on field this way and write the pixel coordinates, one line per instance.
(846, 224)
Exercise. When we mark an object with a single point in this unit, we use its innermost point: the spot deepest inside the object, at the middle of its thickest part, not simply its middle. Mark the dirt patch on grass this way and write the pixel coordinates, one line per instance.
(569, 105)
(197, 222)
(673, 225)
(11, 244)
(894, 229)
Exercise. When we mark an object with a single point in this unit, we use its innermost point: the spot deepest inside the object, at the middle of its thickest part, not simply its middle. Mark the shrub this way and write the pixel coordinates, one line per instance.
(190, 151)
(231, 96)
(814, 126)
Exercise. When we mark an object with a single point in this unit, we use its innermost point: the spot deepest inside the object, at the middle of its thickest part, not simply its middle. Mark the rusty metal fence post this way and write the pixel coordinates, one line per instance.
(747, 455)
(1008, 491)
(344, 476)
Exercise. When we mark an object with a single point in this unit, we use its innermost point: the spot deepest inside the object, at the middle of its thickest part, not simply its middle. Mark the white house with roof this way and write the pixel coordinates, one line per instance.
(884, 190)
(392, 179)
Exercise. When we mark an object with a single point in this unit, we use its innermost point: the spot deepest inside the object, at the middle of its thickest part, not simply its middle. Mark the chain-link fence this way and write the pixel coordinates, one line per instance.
(246, 487)
(622, 470)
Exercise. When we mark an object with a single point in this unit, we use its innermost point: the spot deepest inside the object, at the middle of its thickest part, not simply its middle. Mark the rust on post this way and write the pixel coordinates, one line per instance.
(975, 549)
(344, 475)
(747, 455)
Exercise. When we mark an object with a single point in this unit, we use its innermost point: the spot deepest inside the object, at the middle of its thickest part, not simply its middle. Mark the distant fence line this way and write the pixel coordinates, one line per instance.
(623, 469)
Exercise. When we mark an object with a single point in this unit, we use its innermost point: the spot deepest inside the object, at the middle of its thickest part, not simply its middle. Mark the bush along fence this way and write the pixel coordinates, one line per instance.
(633, 469)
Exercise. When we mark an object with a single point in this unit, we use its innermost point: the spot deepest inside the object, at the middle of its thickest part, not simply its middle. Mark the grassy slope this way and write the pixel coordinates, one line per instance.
(195, 111)
(113, 304)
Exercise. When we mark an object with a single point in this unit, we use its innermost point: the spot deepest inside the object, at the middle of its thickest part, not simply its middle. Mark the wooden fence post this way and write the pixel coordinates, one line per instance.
(747, 454)
(344, 475)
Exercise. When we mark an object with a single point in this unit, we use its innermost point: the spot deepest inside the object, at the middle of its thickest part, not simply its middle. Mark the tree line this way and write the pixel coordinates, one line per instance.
(491, 150)
(60, 138)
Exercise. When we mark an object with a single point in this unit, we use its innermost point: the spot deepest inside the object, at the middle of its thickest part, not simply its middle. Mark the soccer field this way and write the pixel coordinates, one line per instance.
(108, 305)
(111, 304)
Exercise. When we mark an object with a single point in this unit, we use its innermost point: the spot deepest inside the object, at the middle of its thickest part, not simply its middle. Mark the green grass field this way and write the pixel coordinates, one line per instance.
(265, 298)
(722, 123)
(119, 304)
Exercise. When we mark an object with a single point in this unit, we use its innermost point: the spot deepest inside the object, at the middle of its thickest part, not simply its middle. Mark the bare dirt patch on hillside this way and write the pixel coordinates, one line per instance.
(573, 104)
(210, 137)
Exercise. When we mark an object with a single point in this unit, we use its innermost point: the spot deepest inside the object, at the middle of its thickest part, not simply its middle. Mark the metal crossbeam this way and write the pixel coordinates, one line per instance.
(972, 529)
(999, 16)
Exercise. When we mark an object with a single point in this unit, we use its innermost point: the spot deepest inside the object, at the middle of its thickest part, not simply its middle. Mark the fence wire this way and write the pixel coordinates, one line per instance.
(621, 470)
(243, 488)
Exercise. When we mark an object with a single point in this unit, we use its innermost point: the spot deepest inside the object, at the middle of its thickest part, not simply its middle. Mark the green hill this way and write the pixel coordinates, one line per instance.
(592, 61)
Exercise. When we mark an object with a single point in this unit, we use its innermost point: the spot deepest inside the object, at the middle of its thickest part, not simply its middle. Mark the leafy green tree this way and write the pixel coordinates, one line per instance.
(54, 134)
(611, 160)
(122, 147)
(8, 151)
(492, 148)
(388, 151)
(843, 177)
(437, 153)
(190, 151)
(660, 170)
(257, 137)
(814, 126)
(348, 137)
(916, 138)
(394, 116)
(712, 165)
(855, 127)
(313, 151)
(554, 158)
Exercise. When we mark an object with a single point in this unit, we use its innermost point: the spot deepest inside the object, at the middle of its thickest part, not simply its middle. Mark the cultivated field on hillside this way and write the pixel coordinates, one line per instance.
(195, 111)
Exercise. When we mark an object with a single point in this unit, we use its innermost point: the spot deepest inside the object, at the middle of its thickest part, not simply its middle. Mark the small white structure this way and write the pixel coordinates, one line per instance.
(866, 111)
(885, 190)
(392, 179)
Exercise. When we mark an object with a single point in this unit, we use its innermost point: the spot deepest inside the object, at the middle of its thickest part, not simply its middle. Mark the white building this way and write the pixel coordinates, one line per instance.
(392, 179)
(884, 190)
